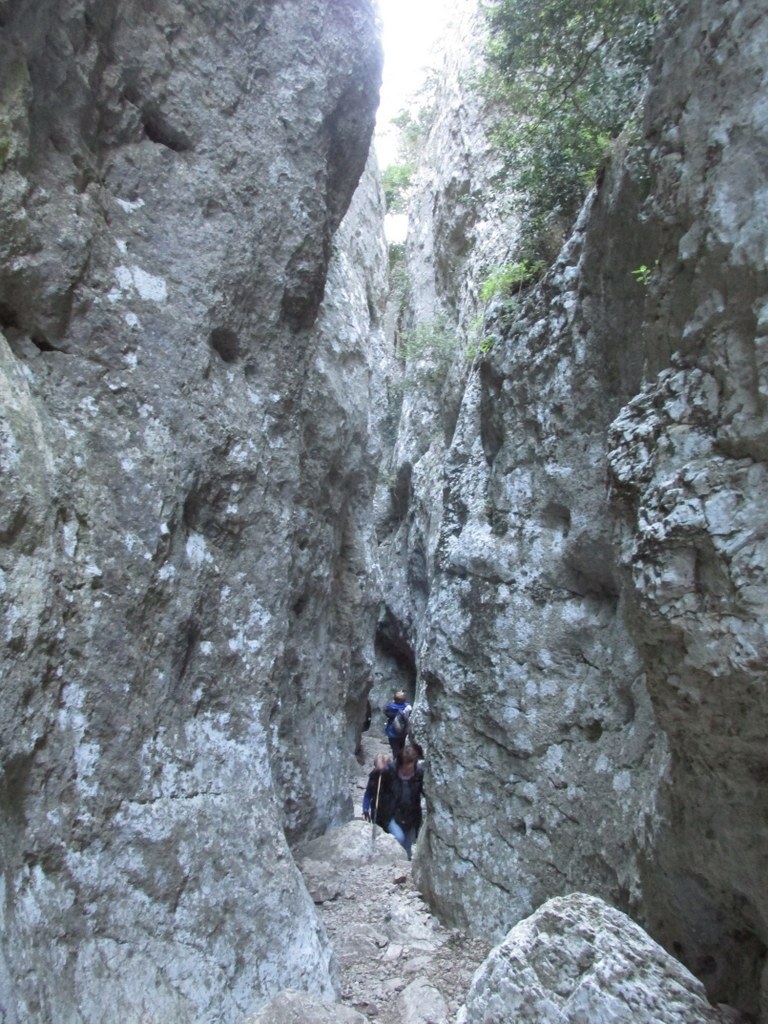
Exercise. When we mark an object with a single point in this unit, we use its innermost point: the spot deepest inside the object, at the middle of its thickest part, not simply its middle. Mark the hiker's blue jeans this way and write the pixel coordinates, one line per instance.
(404, 836)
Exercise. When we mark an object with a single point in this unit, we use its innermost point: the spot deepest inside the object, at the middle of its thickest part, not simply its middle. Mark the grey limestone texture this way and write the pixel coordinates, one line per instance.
(291, 1007)
(224, 514)
(579, 961)
(575, 556)
(188, 450)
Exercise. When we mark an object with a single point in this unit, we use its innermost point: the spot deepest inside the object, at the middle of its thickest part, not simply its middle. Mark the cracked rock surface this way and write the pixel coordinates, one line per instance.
(575, 546)
(576, 960)
(188, 453)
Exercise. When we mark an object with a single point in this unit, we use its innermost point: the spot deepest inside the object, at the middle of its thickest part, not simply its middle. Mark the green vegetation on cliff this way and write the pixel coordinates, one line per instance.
(566, 76)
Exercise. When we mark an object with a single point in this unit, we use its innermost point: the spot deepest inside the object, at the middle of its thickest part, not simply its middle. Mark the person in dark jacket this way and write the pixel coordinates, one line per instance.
(397, 713)
(363, 728)
(377, 799)
(405, 783)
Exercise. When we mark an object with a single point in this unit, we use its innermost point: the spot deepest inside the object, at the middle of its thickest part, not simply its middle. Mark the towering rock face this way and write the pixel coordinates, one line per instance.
(532, 694)
(687, 458)
(459, 225)
(573, 527)
(188, 455)
(590, 642)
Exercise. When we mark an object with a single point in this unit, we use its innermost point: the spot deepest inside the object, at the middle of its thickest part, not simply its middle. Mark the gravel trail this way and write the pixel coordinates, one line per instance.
(397, 963)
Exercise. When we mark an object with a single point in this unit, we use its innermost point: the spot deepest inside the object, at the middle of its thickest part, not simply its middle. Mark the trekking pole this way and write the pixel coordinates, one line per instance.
(375, 812)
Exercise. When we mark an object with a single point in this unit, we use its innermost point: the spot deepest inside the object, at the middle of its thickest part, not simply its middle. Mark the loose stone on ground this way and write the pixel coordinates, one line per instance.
(397, 963)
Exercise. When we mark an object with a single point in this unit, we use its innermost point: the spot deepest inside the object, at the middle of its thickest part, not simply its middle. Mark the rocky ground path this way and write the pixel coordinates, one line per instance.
(397, 963)
(574, 959)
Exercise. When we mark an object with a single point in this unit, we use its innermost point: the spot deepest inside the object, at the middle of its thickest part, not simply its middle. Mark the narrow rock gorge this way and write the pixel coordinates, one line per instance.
(238, 500)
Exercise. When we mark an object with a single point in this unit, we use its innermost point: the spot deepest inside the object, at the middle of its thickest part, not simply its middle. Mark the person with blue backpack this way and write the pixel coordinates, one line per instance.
(397, 713)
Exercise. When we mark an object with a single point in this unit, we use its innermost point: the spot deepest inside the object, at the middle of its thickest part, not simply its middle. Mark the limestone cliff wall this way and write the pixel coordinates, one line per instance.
(590, 640)
(690, 495)
(188, 455)
(459, 226)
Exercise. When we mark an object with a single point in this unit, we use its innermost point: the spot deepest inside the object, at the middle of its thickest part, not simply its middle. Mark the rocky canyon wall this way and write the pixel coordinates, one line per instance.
(189, 446)
(690, 497)
(588, 528)
(571, 531)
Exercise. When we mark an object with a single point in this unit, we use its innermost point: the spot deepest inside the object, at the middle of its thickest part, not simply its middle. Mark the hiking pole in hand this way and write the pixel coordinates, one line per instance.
(375, 812)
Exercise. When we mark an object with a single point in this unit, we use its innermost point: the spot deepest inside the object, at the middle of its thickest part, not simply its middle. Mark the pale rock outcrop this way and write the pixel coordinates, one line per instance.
(459, 226)
(325, 862)
(577, 960)
(421, 1003)
(188, 460)
(589, 630)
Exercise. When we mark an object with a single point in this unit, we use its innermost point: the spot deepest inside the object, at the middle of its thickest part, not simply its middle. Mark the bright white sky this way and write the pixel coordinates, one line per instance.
(410, 31)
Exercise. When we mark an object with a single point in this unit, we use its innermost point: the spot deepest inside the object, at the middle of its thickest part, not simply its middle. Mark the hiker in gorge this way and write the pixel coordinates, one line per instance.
(406, 779)
(392, 798)
(397, 713)
(377, 799)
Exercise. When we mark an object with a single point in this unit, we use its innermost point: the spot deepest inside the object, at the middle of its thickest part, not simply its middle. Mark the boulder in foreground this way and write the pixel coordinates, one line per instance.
(579, 961)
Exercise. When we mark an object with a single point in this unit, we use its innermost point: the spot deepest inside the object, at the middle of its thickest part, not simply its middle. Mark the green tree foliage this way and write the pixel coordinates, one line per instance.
(414, 123)
(396, 180)
(566, 75)
(433, 340)
(428, 349)
(502, 281)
